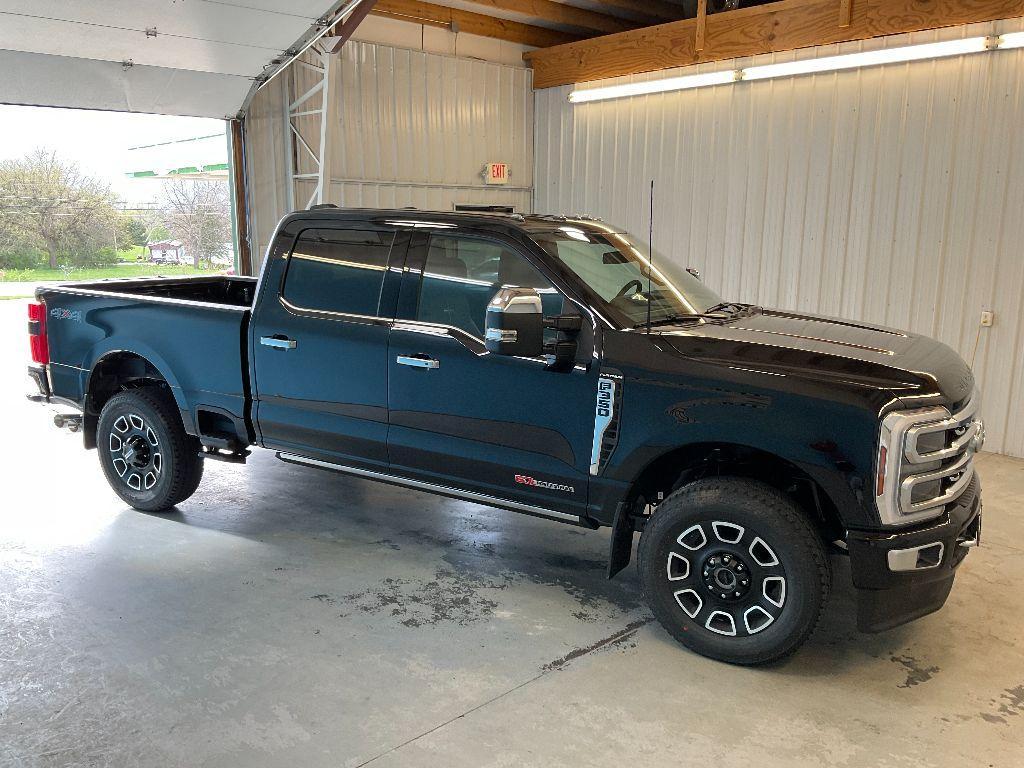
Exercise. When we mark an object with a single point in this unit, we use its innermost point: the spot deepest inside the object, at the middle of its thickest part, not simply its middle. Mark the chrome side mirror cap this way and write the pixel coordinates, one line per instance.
(515, 323)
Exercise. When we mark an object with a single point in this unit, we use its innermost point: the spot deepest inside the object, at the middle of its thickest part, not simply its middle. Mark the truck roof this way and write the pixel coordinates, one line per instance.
(530, 222)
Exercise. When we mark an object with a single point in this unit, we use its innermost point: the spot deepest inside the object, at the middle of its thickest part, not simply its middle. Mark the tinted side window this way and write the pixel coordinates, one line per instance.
(338, 270)
(462, 274)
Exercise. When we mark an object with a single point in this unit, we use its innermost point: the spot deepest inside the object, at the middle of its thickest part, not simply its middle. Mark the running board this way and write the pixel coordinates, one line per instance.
(440, 490)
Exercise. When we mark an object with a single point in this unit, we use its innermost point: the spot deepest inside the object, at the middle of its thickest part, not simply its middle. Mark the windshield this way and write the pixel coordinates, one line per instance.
(617, 267)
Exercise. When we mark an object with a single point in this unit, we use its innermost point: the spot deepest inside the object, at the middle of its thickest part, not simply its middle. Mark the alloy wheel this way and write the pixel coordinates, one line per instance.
(726, 578)
(135, 452)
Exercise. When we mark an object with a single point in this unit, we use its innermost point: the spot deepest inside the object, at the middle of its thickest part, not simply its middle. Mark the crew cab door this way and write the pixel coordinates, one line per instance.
(507, 427)
(319, 343)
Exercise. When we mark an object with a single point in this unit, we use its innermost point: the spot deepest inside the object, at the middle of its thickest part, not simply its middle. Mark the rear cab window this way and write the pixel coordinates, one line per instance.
(337, 270)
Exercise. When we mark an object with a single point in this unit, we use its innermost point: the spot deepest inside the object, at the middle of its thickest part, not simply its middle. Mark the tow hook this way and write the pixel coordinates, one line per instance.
(73, 421)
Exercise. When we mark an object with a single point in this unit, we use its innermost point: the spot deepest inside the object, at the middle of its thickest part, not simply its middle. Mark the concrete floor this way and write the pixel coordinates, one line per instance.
(289, 617)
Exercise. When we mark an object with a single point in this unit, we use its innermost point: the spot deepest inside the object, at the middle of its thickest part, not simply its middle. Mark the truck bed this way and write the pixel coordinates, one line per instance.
(215, 289)
(192, 330)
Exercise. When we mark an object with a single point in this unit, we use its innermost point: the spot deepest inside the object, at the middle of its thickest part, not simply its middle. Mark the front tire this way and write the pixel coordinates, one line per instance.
(147, 457)
(734, 570)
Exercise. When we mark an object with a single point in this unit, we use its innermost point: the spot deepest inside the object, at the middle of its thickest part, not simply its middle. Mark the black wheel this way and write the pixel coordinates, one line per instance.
(734, 570)
(148, 458)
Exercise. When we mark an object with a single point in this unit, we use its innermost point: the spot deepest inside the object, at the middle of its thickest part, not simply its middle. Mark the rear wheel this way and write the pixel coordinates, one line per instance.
(148, 458)
(734, 570)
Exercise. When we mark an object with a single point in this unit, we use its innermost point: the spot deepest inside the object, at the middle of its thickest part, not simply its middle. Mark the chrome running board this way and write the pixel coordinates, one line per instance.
(442, 490)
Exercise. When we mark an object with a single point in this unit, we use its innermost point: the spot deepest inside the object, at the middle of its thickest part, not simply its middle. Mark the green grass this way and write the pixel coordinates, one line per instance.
(142, 269)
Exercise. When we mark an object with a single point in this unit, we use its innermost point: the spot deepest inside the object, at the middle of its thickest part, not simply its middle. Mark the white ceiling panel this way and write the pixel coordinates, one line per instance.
(62, 38)
(214, 46)
(56, 81)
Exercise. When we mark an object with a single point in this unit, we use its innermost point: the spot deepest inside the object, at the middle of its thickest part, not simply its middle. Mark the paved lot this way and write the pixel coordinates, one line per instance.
(16, 289)
(289, 617)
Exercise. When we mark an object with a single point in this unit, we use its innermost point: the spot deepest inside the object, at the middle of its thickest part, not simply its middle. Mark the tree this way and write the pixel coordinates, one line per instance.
(199, 215)
(50, 204)
(132, 231)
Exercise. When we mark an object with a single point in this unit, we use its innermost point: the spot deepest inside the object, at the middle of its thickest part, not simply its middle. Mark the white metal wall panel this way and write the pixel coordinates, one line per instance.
(266, 173)
(417, 128)
(892, 194)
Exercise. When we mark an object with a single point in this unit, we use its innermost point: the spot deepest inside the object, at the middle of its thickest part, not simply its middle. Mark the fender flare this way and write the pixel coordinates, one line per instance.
(113, 348)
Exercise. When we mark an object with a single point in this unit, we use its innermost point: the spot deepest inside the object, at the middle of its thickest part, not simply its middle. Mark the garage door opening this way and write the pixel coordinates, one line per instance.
(87, 195)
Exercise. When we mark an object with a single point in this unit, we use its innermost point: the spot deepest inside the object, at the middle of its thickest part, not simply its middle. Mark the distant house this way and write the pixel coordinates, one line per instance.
(166, 252)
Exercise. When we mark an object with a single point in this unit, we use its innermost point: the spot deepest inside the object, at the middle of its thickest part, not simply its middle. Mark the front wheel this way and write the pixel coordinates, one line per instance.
(734, 570)
(148, 458)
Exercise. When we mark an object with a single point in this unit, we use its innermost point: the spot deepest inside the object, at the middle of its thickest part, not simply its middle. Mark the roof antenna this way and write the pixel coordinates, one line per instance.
(650, 257)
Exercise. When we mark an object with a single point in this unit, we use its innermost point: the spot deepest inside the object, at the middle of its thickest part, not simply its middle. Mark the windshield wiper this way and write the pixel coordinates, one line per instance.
(727, 310)
(730, 309)
(668, 319)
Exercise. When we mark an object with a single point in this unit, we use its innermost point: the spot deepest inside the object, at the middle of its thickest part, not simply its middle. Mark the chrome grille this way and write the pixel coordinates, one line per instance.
(928, 459)
(956, 433)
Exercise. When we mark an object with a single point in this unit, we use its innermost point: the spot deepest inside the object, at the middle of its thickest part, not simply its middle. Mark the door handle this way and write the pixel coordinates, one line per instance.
(278, 343)
(418, 362)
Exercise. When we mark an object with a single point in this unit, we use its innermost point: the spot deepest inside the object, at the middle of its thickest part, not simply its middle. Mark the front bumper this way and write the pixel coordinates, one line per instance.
(903, 575)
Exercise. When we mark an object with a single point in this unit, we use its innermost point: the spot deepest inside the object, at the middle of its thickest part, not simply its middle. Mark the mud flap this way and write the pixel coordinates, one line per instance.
(620, 544)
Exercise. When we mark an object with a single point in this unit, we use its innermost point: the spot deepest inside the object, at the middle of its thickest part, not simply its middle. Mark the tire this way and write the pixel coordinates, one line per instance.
(148, 458)
(723, 531)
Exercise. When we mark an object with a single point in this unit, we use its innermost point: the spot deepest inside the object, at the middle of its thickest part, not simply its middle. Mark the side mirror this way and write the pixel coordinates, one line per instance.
(515, 323)
(693, 272)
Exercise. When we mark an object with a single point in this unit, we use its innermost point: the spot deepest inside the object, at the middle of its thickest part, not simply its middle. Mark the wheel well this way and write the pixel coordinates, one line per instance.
(684, 465)
(115, 373)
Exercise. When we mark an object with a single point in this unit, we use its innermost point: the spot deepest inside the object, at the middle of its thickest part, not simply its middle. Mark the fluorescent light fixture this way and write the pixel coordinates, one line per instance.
(938, 50)
(1012, 40)
(868, 58)
(653, 86)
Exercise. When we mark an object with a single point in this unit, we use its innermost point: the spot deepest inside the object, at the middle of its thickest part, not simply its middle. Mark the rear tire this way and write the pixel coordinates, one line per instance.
(734, 570)
(147, 457)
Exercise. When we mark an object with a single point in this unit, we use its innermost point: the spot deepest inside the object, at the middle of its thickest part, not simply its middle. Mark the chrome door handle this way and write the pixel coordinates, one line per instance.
(276, 343)
(418, 362)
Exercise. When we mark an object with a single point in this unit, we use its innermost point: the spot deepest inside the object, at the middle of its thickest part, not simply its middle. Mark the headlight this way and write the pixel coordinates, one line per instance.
(925, 461)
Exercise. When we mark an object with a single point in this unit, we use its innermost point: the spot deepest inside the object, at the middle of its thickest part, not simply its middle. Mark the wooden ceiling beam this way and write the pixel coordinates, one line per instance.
(344, 30)
(560, 13)
(472, 23)
(781, 26)
(656, 10)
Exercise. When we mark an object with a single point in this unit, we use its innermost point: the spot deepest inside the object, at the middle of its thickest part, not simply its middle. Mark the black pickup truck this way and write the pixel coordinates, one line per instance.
(552, 366)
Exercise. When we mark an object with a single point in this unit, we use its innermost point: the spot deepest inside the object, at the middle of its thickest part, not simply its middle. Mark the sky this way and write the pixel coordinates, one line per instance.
(100, 143)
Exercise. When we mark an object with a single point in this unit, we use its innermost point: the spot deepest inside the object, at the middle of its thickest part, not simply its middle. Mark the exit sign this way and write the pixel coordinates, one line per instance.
(496, 173)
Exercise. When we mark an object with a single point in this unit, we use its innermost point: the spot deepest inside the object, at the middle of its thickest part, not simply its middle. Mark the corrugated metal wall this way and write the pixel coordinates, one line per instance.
(415, 129)
(893, 194)
(265, 166)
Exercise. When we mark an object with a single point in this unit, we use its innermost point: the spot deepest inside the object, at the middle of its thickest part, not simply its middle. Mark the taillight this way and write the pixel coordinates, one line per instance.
(37, 334)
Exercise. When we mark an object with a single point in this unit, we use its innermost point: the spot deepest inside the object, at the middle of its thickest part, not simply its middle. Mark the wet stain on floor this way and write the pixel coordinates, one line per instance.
(1009, 704)
(449, 597)
(916, 674)
(624, 637)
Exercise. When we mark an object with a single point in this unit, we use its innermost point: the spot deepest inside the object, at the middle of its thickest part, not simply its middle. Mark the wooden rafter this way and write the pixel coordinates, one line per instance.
(473, 23)
(702, 22)
(781, 26)
(655, 10)
(343, 31)
(845, 12)
(560, 13)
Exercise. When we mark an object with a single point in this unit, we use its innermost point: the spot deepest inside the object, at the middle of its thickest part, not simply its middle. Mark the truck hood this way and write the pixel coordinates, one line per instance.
(910, 366)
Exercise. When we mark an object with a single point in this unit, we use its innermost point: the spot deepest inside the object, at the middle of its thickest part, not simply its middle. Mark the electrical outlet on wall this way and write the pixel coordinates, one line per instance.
(987, 316)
